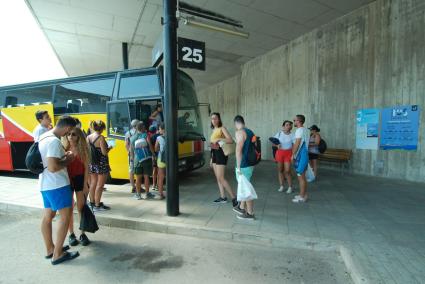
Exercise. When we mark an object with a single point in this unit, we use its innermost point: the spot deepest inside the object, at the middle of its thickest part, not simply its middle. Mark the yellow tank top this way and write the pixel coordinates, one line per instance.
(216, 135)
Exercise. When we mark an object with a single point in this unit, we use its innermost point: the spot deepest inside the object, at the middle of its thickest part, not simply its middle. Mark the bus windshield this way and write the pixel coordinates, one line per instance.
(188, 117)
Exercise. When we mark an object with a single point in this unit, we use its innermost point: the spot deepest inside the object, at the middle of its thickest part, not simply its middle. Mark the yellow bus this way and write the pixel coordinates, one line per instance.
(114, 97)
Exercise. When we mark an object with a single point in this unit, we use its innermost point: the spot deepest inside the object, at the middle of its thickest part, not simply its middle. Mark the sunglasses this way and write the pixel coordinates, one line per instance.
(71, 134)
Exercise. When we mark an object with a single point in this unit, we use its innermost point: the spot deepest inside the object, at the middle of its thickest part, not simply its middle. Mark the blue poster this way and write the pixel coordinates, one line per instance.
(399, 127)
(367, 129)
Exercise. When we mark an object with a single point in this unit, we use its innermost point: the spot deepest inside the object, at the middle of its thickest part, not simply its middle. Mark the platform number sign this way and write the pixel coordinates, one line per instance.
(191, 53)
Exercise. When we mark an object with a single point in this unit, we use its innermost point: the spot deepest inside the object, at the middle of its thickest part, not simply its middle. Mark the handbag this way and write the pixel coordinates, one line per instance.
(88, 221)
(274, 141)
(229, 149)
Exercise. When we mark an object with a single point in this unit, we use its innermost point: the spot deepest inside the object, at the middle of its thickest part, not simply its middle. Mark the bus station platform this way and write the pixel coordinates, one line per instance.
(376, 225)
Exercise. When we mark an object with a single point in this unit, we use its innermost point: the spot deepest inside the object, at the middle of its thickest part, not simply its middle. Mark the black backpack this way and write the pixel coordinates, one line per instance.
(33, 159)
(254, 151)
(94, 153)
(322, 146)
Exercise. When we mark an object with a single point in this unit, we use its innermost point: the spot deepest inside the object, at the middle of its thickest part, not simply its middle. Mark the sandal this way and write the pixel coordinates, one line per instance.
(65, 248)
(65, 257)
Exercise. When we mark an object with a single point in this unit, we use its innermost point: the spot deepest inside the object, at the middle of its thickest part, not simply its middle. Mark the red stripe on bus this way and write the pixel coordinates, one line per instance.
(6, 163)
(13, 133)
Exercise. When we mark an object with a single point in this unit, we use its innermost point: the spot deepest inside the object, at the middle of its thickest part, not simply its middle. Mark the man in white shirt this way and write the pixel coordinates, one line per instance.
(55, 189)
(45, 124)
(300, 156)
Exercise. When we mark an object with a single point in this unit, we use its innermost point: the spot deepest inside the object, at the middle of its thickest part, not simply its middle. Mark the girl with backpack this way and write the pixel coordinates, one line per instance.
(313, 147)
(142, 156)
(99, 165)
(78, 175)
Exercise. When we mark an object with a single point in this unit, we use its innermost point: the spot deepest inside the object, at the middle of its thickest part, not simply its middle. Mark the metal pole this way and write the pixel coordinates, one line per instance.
(170, 105)
(125, 55)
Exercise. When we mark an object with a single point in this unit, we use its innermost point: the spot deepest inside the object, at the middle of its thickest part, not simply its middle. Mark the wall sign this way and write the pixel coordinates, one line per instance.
(191, 53)
(367, 130)
(399, 127)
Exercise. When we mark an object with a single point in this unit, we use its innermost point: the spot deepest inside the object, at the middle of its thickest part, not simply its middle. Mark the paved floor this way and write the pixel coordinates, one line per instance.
(128, 256)
(381, 221)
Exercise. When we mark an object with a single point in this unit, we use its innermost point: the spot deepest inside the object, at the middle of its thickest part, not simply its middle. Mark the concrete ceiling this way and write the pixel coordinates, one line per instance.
(87, 34)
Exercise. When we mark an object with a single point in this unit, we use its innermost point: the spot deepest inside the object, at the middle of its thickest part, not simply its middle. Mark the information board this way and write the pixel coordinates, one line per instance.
(399, 127)
(367, 130)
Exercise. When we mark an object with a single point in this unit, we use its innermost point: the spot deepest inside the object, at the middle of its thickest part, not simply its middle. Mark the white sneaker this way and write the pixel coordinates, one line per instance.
(280, 188)
(289, 191)
(137, 196)
(299, 200)
(297, 196)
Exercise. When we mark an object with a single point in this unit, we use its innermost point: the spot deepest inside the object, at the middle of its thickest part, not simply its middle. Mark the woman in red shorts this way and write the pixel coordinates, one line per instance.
(284, 154)
(78, 176)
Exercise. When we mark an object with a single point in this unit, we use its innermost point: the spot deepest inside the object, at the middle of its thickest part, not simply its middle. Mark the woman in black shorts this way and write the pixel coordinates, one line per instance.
(219, 137)
(313, 147)
(98, 168)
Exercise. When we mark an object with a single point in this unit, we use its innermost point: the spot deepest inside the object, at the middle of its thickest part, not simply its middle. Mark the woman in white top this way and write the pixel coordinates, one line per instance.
(284, 154)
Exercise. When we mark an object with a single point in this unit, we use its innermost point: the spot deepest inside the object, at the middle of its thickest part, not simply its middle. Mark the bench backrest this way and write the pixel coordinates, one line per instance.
(336, 154)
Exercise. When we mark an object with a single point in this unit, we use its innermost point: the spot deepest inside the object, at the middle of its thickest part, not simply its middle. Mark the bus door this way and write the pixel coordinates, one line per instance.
(118, 122)
(18, 123)
(120, 113)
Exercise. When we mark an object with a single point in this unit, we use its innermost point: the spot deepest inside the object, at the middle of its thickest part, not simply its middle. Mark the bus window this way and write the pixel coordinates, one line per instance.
(137, 85)
(119, 118)
(83, 97)
(2, 99)
(27, 96)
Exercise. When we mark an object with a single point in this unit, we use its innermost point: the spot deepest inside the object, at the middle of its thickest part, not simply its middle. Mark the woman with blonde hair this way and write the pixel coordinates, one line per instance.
(99, 165)
(75, 142)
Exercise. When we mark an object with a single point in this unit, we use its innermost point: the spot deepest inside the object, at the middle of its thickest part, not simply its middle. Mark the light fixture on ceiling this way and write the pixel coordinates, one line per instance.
(198, 12)
(194, 23)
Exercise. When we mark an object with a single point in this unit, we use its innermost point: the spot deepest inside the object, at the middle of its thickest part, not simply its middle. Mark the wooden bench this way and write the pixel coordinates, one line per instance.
(342, 156)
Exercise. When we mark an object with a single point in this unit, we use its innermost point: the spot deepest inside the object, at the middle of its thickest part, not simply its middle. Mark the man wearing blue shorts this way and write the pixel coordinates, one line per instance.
(55, 189)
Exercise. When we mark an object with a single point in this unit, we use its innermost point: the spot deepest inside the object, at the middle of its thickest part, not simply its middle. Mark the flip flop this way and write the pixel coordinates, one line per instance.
(66, 256)
(65, 248)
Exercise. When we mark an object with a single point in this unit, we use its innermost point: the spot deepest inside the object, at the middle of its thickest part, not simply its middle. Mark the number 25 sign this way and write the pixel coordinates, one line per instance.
(191, 53)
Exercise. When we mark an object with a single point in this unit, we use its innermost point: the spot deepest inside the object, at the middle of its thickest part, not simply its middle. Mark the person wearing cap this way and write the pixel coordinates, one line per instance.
(130, 133)
(313, 147)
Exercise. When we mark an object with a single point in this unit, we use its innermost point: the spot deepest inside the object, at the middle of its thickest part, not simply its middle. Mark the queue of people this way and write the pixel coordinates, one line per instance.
(293, 152)
(76, 163)
(69, 168)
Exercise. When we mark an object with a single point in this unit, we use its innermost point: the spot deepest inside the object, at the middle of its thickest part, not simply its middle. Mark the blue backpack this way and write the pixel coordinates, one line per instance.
(141, 147)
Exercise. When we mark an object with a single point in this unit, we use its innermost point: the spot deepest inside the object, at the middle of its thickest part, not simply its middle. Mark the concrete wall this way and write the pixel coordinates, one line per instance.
(223, 98)
(373, 57)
